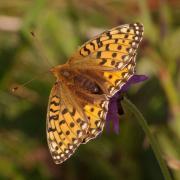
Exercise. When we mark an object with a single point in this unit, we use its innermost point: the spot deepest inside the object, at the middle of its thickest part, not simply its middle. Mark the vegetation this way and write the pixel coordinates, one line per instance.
(60, 27)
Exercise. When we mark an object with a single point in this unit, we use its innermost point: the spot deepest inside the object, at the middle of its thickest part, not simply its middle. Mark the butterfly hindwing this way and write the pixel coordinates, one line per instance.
(95, 107)
(96, 114)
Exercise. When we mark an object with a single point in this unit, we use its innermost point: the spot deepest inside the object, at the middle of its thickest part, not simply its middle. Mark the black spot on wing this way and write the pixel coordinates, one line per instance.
(93, 45)
(54, 117)
(55, 103)
(64, 111)
(51, 129)
(54, 110)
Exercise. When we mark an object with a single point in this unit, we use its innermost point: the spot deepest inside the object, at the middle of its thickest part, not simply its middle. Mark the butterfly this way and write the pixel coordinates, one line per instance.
(78, 102)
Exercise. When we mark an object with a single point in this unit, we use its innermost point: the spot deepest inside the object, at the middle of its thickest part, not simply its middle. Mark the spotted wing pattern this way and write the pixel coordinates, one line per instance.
(96, 114)
(111, 56)
(95, 108)
(111, 50)
(66, 125)
(116, 79)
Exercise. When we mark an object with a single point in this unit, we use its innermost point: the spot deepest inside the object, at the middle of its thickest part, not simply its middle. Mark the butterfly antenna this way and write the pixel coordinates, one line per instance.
(27, 82)
(14, 89)
(39, 46)
(40, 49)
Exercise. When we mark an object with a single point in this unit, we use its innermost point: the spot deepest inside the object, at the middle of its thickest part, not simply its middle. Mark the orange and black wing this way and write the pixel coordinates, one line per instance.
(111, 50)
(109, 59)
(66, 124)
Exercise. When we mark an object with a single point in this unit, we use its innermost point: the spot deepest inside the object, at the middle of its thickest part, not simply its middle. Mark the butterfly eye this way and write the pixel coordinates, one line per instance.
(65, 73)
(96, 89)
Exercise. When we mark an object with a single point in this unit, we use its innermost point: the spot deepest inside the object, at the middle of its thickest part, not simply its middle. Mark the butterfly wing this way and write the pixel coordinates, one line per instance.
(96, 114)
(111, 50)
(97, 111)
(66, 124)
(95, 108)
(108, 59)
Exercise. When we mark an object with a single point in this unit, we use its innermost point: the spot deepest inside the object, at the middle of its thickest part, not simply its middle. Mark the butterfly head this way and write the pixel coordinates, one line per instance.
(61, 71)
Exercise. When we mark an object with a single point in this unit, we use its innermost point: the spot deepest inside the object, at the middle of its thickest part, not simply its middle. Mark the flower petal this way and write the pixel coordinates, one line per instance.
(112, 114)
(133, 80)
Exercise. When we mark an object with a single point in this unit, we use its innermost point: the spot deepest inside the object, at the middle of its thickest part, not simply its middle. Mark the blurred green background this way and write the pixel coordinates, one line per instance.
(60, 27)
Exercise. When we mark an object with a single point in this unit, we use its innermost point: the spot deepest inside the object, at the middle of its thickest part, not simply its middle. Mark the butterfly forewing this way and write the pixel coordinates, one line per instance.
(112, 49)
(66, 126)
(116, 79)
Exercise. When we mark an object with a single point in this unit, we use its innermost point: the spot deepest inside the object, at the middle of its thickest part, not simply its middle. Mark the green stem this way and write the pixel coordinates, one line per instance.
(155, 147)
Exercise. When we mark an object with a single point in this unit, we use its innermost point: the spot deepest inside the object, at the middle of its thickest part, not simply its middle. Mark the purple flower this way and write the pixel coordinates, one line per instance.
(113, 110)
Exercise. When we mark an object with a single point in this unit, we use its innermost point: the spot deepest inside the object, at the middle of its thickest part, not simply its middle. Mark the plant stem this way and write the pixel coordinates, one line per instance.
(155, 147)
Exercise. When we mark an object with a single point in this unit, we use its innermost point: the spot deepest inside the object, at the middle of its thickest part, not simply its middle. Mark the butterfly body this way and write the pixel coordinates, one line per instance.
(77, 79)
(78, 102)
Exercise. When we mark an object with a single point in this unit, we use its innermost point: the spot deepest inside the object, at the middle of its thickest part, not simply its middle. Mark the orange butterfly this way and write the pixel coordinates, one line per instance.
(78, 101)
